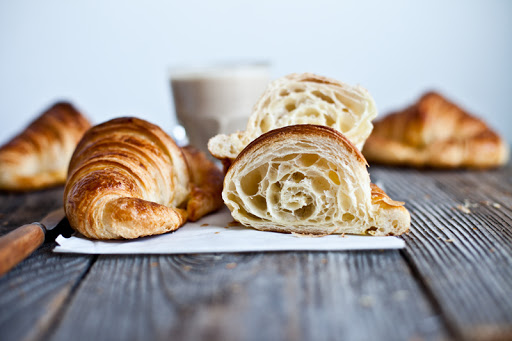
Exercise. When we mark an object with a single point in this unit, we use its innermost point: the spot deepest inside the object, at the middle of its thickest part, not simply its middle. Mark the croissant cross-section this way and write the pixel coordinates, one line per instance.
(303, 99)
(311, 180)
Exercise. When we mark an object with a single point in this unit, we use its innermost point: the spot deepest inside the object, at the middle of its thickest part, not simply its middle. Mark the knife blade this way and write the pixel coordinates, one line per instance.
(21, 242)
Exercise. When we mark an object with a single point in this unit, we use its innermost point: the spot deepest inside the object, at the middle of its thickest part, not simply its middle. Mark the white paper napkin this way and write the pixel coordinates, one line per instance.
(212, 234)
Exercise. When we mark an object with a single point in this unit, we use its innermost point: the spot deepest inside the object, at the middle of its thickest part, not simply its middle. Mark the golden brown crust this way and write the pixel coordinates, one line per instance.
(435, 132)
(206, 192)
(128, 179)
(38, 157)
(308, 129)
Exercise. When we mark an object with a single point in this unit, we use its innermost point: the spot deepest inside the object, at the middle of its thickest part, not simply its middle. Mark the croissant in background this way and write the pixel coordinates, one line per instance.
(39, 156)
(303, 99)
(309, 179)
(128, 179)
(435, 132)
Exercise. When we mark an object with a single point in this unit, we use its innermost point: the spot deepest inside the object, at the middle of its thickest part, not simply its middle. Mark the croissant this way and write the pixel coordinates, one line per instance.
(302, 99)
(435, 132)
(309, 179)
(128, 179)
(38, 157)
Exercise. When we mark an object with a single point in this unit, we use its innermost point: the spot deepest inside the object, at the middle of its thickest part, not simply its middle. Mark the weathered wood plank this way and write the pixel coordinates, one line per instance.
(33, 293)
(271, 296)
(461, 243)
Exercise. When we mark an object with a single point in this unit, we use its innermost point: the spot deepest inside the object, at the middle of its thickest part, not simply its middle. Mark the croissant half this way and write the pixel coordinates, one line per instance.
(303, 99)
(39, 156)
(311, 180)
(127, 179)
(435, 132)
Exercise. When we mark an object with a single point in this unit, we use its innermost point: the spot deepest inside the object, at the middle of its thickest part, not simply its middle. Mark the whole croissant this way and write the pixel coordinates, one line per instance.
(434, 132)
(303, 99)
(127, 179)
(311, 180)
(39, 156)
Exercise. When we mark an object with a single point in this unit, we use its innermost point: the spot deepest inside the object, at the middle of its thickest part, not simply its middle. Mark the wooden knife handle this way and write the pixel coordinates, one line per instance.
(19, 244)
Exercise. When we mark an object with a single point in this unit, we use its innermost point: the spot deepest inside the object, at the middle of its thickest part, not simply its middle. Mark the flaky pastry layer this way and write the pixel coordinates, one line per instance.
(38, 157)
(303, 99)
(311, 180)
(435, 132)
(128, 179)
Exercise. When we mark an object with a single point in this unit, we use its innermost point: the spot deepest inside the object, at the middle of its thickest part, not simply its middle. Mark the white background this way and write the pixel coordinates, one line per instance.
(111, 57)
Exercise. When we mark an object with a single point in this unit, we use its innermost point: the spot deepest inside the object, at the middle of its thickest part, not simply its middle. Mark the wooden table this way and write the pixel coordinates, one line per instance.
(453, 280)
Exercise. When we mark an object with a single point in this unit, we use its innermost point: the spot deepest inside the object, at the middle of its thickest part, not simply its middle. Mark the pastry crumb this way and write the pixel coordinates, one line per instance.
(496, 205)
(231, 265)
(153, 264)
(366, 301)
(305, 235)
(463, 209)
(204, 225)
(449, 240)
(324, 261)
(217, 232)
(186, 268)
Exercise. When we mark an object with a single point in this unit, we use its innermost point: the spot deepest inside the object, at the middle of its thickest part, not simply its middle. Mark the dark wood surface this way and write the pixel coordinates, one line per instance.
(452, 282)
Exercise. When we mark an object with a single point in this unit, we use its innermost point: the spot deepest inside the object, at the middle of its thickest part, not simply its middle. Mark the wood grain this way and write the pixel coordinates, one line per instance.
(461, 243)
(34, 292)
(271, 296)
(453, 281)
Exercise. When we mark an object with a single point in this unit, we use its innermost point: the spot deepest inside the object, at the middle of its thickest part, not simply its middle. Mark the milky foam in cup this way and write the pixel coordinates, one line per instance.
(216, 99)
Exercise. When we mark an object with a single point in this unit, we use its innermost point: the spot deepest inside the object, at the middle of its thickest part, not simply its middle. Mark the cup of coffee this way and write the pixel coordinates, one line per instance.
(216, 99)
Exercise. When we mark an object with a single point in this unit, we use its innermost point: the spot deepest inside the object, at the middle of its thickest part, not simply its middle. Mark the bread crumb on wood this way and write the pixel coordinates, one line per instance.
(186, 268)
(204, 225)
(231, 265)
(366, 301)
(463, 209)
(496, 205)
(449, 240)
(323, 261)
(153, 264)
(217, 232)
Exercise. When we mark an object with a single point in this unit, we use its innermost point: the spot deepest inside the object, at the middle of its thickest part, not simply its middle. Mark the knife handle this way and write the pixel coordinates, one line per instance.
(19, 244)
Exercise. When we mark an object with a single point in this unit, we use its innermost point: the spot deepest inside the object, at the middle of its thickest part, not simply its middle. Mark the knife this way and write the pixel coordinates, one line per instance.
(20, 243)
